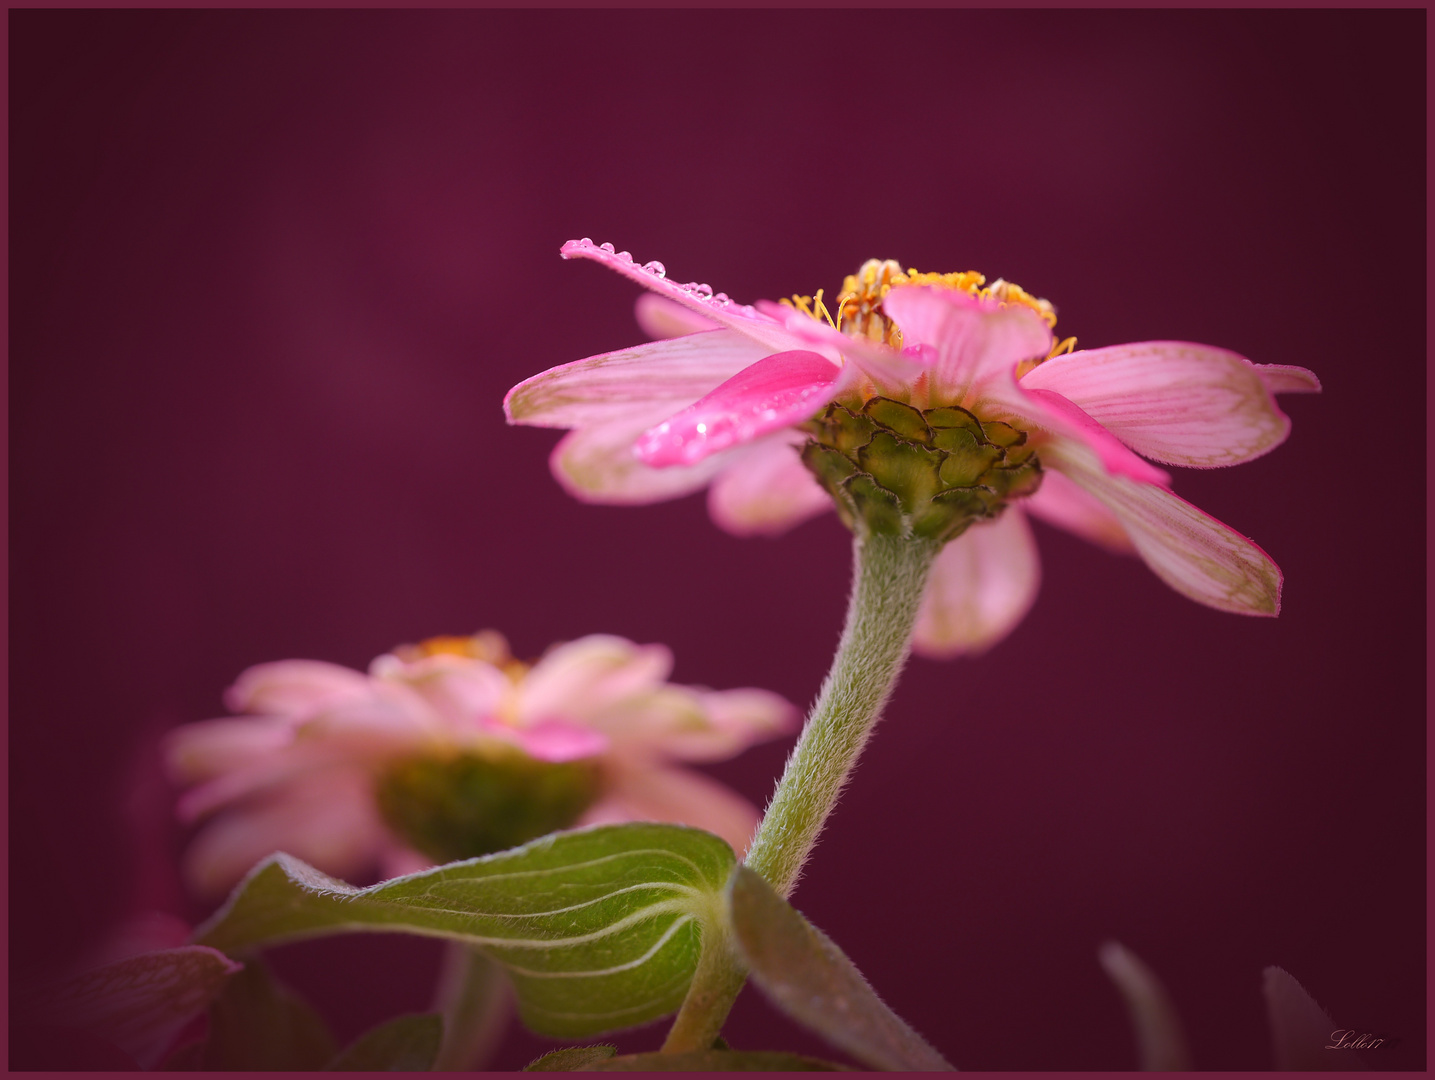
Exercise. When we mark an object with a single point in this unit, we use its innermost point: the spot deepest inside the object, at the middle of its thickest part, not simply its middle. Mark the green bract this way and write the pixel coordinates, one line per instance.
(901, 471)
(598, 928)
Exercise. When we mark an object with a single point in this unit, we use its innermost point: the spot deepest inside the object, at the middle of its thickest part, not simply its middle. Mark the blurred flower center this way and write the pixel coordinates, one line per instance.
(463, 805)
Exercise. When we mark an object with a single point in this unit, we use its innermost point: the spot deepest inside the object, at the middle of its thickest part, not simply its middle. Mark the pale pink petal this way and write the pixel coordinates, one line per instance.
(679, 796)
(1188, 549)
(598, 465)
(1060, 501)
(662, 318)
(330, 821)
(691, 723)
(610, 386)
(461, 689)
(553, 739)
(972, 338)
(1287, 379)
(294, 688)
(205, 749)
(1303, 1036)
(580, 678)
(982, 585)
(767, 490)
(693, 295)
(890, 371)
(776, 392)
(737, 719)
(1160, 1039)
(1173, 401)
(1055, 414)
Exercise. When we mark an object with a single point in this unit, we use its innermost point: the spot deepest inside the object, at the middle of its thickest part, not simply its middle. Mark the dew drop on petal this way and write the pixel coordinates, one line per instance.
(625, 256)
(606, 247)
(703, 290)
(587, 240)
(656, 267)
(721, 298)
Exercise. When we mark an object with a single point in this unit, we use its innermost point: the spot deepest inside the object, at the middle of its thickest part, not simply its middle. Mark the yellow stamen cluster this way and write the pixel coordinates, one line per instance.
(859, 304)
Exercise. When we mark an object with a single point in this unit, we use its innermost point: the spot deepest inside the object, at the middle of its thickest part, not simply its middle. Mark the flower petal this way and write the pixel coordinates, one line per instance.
(1301, 1030)
(1160, 1039)
(661, 318)
(679, 796)
(766, 490)
(1173, 401)
(294, 688)
(890, 371)
(776, 392)
(1188, 549)
(611, 386)
(329, 821)
(699, 298)
(982, 585)
(1062, 502)
(1287, 379)
(579, 678)
(208, 748)
(597, 464)
(973, 338)
(1066, 420)
(554, 739)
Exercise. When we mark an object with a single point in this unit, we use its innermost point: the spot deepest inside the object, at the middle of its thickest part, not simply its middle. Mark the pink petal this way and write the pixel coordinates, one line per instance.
(662, 318)
(555, 739)
(679, 796)
(1060, 501)
(1287, 379)
(1189, 550)
(1067, 420)
(1159, 1035)
(207, 748)
(1179, 403)
(693, 296)
(766, 490)
(776, 392)
(329, 820)
(737, 719)
(982, 585)
(294, 688)
(972, 338)
(612, 386)
(890, 371)
(598, 465)
(1301, 1031)
(461, 689)
(577, 679)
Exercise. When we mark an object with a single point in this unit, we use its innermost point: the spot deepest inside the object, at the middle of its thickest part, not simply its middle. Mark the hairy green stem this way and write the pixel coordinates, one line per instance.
(889, 574)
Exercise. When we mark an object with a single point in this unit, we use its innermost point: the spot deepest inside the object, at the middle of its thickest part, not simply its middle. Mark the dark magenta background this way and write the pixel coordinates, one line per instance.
(273, 272)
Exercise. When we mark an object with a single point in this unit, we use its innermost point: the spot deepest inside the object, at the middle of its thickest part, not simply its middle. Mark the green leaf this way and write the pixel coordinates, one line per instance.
(259, 1025)
(811, 980)
(139, 1003)
(716, 1061)
(571, 1058)
(598, 928)
(404, 1044)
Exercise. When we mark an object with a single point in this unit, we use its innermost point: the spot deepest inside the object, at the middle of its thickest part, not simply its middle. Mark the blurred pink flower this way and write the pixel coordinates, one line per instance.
(593, 725)
(720, 399)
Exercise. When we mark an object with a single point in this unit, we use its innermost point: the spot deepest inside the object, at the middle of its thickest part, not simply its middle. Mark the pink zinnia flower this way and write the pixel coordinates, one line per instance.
(450, 749)
(733, 396)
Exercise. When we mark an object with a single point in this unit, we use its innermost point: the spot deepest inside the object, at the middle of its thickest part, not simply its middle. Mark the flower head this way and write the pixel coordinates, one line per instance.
(921, 404)
(451, 749)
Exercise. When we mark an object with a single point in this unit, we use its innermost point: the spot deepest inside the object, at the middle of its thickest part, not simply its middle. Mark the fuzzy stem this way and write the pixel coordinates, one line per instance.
(889, 574)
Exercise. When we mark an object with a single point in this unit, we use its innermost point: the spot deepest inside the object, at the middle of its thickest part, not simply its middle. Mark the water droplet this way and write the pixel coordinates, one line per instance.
(587, 240)
(625, 256)
(606, 247)
(656, 267)
(722, 298)
(703, 290)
